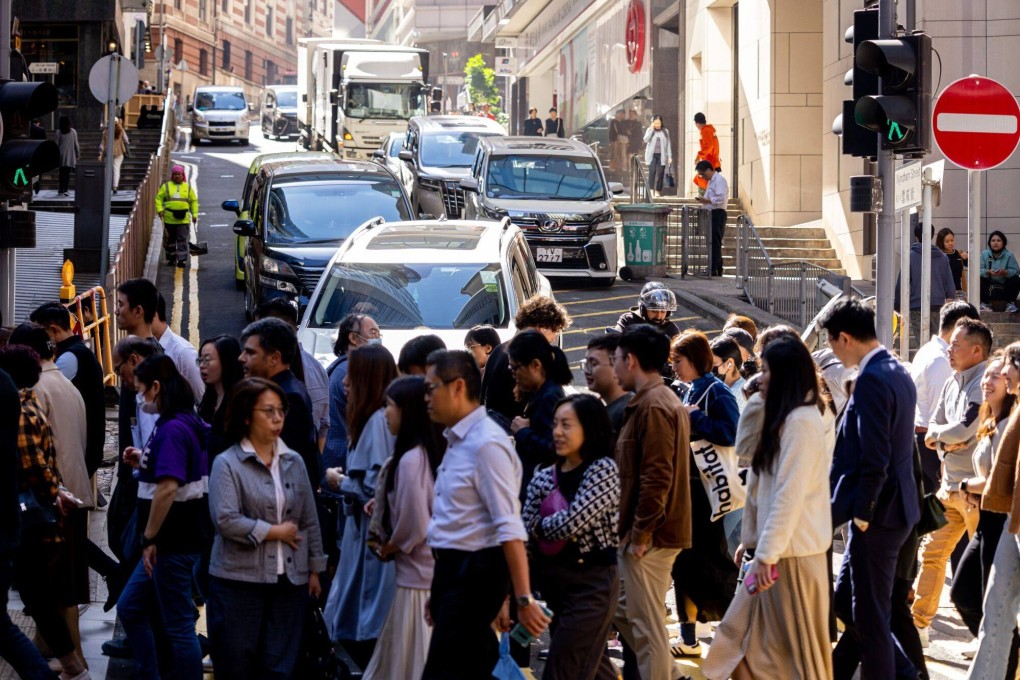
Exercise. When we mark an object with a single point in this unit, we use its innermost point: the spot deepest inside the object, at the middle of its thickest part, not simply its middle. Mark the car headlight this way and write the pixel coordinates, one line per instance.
(284, 286)
(493, 214)
(277, 268)
(603, 223)
(199, 118)
(348, 137)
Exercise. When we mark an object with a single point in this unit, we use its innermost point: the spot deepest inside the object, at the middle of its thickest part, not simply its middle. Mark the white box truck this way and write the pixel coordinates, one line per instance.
(355, 92)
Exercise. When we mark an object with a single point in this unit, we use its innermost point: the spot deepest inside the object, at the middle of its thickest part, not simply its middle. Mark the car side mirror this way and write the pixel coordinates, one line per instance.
(268, 105)
(616, 188)
(469, 184)
(244, 228)
(406, 155)
(378, 155)
(251, 107)
(231, 205)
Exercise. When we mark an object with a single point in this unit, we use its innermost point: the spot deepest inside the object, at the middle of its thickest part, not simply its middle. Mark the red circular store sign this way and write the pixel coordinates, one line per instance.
(635, 35)
(976, 123)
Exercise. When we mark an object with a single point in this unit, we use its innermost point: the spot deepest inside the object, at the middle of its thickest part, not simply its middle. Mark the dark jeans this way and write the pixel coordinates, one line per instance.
(656, 171)
(864, 595)
(34, 575)
(718, 233)
(64, 178)
(169, 593)
(468, 589)
(177, 241)
(1011, 286)
(16, 649)
(256, 629)
(583, 600)
(931, 466)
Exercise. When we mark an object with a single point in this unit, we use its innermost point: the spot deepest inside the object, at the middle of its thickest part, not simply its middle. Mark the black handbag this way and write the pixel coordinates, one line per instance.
(35, 515)
(933, 515)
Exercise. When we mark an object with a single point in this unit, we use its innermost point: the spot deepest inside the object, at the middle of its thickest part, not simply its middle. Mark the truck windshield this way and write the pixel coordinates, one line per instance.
(327, 212)
(220, 101)
(450, 149)
(286, 99)
(384, 100)
(559, 177)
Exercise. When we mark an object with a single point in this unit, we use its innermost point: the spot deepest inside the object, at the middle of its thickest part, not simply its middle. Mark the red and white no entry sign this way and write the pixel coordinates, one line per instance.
(976, 123)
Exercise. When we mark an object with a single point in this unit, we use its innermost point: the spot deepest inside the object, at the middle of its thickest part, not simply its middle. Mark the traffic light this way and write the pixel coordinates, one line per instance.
(901, 112)
(858, 141)
(21, 158)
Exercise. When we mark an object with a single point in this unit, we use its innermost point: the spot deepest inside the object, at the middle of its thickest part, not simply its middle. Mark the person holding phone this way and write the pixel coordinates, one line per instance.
(786, 532)
(1000, 273)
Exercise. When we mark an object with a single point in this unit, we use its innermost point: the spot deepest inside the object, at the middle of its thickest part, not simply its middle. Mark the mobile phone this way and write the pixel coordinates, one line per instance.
(751, 583)
(522, 635)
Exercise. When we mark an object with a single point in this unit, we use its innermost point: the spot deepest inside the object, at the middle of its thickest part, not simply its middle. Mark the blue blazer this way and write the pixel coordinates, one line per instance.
(872, 474)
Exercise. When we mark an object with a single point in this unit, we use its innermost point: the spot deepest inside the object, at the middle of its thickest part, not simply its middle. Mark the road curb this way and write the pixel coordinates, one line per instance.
(720, 308)
(155, 250)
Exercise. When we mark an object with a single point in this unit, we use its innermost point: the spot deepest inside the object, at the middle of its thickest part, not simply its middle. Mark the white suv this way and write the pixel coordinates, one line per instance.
(418, 277)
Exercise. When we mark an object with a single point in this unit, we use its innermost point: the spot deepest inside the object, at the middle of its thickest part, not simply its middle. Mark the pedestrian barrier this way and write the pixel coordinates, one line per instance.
(129, 260)
(638, 181)
(695, 230)
(90, 318)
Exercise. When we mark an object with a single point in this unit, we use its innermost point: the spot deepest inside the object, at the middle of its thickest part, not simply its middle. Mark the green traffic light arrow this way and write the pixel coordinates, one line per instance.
(894, 128)
(20, 174)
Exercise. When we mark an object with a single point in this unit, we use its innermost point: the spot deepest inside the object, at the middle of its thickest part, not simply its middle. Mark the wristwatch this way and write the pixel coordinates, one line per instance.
(146, 541)
(524, 601)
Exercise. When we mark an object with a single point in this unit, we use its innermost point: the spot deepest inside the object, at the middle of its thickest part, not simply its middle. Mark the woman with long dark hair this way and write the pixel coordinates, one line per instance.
(221, 370)
(362, 591)
(1000, 273)
(173, 510)
(67, 142)
(404, 640)
(945, 240)
(540, 370)
(574, 539)
(787, 531)
(704, 576)
(267, 553)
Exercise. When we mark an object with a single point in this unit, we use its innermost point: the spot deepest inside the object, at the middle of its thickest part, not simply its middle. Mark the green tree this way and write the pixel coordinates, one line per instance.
(481, 83)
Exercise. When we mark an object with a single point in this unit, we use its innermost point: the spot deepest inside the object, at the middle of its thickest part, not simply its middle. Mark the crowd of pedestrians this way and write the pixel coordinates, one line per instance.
(429, 506)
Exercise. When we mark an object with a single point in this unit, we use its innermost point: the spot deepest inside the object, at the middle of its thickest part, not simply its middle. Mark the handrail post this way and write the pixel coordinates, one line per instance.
(683, 241)
(803, 295)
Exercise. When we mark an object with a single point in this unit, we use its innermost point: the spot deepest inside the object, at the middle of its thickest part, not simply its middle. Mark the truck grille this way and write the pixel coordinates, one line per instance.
(453, 199)
(309, 278)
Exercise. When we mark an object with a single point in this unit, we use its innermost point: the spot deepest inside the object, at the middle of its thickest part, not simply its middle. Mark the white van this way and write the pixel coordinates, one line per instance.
(219, 113)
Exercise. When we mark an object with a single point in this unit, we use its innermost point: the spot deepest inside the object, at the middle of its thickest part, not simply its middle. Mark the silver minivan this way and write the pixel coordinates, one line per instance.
(219, 112)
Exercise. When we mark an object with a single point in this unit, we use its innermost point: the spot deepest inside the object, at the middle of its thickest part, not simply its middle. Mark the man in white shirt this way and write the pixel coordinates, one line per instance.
(930, 370)
(183, 353)
(715, 198)
(476, 530)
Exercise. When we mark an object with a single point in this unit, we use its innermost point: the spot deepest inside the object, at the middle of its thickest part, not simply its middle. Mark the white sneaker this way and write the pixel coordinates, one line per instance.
(704, 630)
(923, 634)
(679, 650)
(1011, 308)
(985, 308)
(970, 652)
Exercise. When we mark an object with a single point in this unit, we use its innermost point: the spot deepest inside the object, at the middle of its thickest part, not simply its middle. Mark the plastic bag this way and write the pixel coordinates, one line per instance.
(506, 668)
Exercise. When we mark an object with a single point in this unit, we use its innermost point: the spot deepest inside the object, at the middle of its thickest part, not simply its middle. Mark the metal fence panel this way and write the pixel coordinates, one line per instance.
(695, 242)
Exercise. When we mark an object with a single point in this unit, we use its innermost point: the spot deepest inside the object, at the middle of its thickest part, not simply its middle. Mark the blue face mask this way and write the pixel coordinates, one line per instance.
(373, 341)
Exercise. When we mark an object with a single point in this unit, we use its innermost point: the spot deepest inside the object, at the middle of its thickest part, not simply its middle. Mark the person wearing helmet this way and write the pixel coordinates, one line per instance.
(655, 304)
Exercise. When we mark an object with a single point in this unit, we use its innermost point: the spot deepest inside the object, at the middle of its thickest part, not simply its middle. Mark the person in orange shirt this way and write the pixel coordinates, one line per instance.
(709, 150)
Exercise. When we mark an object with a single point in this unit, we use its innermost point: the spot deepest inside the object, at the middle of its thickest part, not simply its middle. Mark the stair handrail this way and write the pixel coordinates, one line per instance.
(753, 263)
(638, 181)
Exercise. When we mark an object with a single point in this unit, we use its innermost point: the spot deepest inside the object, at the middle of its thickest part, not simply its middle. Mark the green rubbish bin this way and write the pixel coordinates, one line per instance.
(644, 239)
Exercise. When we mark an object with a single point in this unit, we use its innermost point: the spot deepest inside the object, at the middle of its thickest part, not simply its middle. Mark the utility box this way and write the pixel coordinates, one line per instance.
(90, 191)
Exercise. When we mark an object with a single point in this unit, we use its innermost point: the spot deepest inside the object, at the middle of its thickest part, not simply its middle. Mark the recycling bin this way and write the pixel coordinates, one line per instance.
(644, 239)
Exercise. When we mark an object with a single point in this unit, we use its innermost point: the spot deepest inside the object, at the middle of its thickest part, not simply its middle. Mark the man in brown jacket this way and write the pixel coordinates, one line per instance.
(655, 502)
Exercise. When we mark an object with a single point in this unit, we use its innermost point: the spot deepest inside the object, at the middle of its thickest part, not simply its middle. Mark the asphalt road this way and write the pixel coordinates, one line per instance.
(203, 301)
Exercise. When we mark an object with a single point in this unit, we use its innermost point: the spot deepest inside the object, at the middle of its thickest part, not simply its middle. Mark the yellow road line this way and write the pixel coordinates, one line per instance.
(178, 313)
(608, 312)
(601, 299)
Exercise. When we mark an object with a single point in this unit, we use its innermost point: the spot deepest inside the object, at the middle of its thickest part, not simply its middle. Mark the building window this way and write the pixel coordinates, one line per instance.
(290, 31)
(203, 63)
(226, 6)
(269, 22)
(247, 64)
(178, 50)
(178, 4)
(226, 55)
(313, 6)
(202, 9)
(247, 12)
(270, 68)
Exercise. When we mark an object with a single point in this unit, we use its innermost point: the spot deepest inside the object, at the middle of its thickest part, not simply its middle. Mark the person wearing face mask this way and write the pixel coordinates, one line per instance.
(354, 330)
(726, 365)
(655, 303)
(173, 508)
(480, 341)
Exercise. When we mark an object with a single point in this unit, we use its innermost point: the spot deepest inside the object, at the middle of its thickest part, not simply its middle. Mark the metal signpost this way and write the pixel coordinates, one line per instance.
(114, 80)
(976, 123)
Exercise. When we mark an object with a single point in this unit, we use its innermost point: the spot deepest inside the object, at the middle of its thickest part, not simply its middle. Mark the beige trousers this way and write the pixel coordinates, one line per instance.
(640, 614)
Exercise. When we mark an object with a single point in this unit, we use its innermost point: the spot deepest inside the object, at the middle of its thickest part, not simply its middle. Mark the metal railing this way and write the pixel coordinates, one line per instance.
(638, 180)
(93, 322)
(695, 242)
(753, 263)
(129, 260)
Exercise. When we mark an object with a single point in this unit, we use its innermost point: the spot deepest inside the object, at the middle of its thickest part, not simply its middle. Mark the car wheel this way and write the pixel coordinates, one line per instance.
(249, 306)
(605, 283)
(239, 284)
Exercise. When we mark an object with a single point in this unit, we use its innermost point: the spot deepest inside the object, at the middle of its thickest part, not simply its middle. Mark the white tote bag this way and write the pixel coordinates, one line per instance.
(720, 474)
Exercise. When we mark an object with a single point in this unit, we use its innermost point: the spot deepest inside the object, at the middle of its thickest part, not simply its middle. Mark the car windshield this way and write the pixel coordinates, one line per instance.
(395, 148)
(449, 148)
(544, 177)
(328, 211)
(407, 296)
(220, 101)
(384, 100)
(286, 99)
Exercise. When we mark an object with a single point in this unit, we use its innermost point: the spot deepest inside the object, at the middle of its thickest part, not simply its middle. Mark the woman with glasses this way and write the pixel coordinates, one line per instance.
(540, 371)
(362, 591)
(480, 341)
(267, 553)
(221, 370)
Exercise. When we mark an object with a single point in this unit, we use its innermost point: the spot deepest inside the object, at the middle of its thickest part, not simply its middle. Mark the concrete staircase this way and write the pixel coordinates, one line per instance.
(1005, 327)
(784, 244)
(143, 144)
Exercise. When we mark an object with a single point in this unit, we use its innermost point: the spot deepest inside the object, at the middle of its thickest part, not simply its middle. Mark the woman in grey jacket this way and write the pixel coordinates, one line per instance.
(267, 553)
(67, 140)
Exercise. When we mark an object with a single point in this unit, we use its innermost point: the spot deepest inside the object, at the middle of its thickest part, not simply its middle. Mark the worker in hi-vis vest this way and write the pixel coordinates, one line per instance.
(709, 150)
(177, 206)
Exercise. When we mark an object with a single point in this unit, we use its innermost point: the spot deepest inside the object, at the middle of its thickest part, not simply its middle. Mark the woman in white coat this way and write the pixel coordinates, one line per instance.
(658, 154)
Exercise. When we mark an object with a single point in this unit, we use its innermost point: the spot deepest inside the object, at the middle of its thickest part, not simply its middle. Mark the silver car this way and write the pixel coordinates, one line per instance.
(389, 155)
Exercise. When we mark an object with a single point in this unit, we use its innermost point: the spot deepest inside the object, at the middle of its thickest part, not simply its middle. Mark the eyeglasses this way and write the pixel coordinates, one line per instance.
(431, 387)
(589, 366)
(515, 367)
(204, 361)
(272, 412)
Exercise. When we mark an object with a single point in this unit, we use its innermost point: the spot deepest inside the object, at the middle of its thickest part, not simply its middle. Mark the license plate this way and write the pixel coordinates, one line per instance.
(549, 255)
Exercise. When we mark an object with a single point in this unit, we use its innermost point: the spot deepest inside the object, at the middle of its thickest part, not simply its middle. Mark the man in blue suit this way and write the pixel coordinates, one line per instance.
(873, 485)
